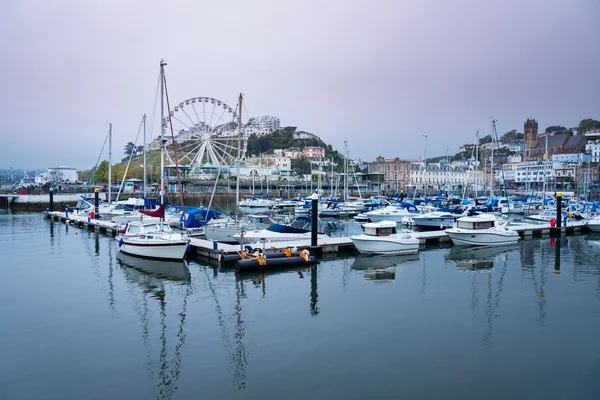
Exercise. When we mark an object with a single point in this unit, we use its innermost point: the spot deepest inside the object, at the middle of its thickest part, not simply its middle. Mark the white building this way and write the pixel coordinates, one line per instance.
(302, 135)
(441, 175)
(61, 174)
(281, 162)
(510, 172)
(533, 171)
(262, 125)
(593, 148)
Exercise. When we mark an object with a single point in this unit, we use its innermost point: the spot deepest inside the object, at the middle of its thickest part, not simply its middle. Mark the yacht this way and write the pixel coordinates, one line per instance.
(435, 220)
(481, 230)
(223, 231)
(394, 212)
(277, 233)
(382, 238)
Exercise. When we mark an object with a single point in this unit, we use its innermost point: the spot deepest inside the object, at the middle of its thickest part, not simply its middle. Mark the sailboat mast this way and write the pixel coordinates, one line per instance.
(239, 155)
(476, 161)
(145, 178)
(109, 162)
(162, 135)
(492, 170)
(345, 170)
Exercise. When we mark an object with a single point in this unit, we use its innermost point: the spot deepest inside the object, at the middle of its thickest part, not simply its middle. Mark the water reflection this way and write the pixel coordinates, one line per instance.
(381, 268)
(477, 258)
(236, 349)
(171, 270)
(153, 276)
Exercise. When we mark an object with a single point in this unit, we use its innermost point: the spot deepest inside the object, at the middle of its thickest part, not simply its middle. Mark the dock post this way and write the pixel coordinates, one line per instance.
(558, 209)
(51, 200)
(315, 219)
(96, 203)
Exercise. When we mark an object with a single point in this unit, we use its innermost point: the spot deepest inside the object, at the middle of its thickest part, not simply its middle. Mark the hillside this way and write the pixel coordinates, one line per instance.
(256, 145)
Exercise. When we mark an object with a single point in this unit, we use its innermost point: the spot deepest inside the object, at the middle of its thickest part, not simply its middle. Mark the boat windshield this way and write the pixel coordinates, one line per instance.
(475, 225)
(379, 231)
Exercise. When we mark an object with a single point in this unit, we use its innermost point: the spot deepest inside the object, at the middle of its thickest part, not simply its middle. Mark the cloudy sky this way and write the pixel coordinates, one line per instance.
(378, 73)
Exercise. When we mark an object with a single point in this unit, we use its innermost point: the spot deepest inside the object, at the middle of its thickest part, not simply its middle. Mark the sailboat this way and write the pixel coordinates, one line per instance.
(160, 242)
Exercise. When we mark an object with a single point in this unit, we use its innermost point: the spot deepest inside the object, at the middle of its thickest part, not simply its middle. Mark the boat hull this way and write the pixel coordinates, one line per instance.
(223, 234)
(465, 238)
(154, 249)
(385, 245)
(594, 227)
(439, 223)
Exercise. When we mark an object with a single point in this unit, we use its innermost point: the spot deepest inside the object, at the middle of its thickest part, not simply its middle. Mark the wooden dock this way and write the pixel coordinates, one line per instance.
(99, 225)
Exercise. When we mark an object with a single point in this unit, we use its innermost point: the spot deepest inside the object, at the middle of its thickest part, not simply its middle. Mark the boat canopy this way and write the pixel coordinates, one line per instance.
(279, 228)
(198, 217)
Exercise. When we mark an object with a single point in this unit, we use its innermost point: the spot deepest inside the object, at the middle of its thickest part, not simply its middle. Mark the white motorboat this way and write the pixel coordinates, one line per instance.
(382, 238)
(435, 220)
(594, 223)
(223, 231)
(276, 233)
(481, 230)
(257, 203)
(394, 212)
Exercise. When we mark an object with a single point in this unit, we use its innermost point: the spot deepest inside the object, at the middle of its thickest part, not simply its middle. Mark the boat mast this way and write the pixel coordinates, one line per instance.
(476, 161)
(109, 161)
(145, 178)
(492, 170)
(162, 136)
(346, 170)
(239, 155)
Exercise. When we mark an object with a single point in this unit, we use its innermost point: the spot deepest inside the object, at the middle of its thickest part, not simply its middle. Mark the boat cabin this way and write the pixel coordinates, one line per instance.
(137, 228)
(476, 222)
(384, 228)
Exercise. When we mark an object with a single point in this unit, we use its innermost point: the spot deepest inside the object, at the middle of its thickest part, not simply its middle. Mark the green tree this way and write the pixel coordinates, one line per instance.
(587, 124)
(101, 174)
(485, 139)
(129, 148)
(139, 150)
(301, 165)
(555, 128)
(511, 136)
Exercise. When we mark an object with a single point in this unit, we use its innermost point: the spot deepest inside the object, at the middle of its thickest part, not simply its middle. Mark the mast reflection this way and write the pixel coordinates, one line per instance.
(153, 276)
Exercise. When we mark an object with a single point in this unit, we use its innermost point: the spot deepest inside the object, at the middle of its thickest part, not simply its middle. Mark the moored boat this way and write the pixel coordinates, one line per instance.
(382, 238)
(481, 230)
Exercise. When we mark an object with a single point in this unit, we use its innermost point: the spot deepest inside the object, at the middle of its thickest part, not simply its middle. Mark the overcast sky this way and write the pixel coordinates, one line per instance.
(380, 74)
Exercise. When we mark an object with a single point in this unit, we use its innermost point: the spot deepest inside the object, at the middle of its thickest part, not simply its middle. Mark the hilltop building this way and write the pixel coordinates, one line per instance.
(561, 143)
(261, 126)
(302, 135)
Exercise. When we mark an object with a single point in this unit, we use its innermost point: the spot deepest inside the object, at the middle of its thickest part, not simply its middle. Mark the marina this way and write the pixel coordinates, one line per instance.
(183, 328)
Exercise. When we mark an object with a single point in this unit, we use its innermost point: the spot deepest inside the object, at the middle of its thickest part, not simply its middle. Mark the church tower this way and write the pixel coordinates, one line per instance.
(530, 139)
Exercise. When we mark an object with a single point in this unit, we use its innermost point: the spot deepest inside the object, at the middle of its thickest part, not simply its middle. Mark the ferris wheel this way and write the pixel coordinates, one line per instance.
(206, 131)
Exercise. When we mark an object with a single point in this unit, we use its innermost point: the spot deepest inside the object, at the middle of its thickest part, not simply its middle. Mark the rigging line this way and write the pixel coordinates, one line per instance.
(96, 167)
(151, 130)
(129, 161)
(173, 141)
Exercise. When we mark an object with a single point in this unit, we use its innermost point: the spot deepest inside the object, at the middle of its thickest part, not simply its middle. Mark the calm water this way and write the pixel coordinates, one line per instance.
(79, 322)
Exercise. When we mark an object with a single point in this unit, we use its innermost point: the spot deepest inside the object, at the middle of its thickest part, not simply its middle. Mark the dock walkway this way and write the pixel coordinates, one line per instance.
(215, 250)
